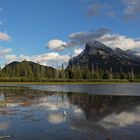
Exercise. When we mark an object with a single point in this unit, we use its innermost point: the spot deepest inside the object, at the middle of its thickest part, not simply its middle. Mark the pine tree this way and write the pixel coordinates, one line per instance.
(132, 73)
(110, 73)
(62, 72)
(87, 72)
(96, 74)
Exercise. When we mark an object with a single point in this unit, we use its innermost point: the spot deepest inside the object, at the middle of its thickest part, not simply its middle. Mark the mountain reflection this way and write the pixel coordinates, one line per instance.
(97, 107)
(107, 111)
(83, 110)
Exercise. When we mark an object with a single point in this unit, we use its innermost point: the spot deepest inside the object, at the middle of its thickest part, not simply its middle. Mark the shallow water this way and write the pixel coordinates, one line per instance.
(37, 112)
(132, 89)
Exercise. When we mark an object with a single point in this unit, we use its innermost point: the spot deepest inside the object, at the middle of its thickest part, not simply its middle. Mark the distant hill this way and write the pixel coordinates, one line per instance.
(28, 69)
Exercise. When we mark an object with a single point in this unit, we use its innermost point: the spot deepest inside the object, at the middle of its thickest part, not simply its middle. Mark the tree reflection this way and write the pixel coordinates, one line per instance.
(97, 107)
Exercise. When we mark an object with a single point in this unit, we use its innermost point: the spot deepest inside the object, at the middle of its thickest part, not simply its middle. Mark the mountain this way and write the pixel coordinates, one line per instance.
(97, 55)
(28, 69)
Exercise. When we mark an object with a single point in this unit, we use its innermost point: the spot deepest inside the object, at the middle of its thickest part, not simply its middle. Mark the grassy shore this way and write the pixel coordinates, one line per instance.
(64, 81)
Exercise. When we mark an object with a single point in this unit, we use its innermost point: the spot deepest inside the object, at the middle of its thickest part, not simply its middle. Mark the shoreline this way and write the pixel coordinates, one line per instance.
(68, 83)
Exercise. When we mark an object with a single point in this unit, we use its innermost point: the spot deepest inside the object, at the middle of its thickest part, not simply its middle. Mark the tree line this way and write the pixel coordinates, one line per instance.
(29, 71)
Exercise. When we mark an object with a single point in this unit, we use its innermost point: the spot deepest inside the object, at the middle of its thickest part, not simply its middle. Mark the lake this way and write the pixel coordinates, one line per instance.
(70, 112)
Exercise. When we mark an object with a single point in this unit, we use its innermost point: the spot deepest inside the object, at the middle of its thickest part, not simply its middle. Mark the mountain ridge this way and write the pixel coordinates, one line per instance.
(99, 55)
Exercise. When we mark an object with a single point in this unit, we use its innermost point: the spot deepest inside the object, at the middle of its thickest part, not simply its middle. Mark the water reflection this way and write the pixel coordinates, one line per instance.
(4, 125)
(56, 118)
(121, 120)
(131, 89)
(40, 113)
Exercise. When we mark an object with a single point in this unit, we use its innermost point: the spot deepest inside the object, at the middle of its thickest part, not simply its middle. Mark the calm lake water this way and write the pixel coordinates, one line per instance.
(93, 112)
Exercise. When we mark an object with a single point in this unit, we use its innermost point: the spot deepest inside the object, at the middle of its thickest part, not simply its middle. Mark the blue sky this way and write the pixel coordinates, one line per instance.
(52, 31)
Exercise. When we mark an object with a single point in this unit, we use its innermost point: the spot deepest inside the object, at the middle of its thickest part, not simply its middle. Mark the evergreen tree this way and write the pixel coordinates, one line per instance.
(106, 75)
(110, 73)
(87, 72)
(62, 72)
(132, 73)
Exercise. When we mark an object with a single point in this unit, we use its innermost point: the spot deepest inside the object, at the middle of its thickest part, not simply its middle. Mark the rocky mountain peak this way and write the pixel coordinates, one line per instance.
(99, 55)
(95, 47)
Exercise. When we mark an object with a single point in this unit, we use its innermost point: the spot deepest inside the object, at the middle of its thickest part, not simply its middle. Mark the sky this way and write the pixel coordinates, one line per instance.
(51, 32)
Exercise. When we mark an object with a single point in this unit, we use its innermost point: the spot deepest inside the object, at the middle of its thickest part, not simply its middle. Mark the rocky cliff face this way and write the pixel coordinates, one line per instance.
(98, 55)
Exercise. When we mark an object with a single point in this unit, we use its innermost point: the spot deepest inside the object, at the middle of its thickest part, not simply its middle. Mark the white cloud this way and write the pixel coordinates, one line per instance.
(119, 41)
(49, 59)
(56, 44)
(23, 57)
(77, 51)
(4, 37)
(11, 57)
(4, 52)
(53, 56)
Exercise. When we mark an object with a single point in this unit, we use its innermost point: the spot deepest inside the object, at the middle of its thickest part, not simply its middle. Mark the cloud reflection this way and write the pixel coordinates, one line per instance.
(123, 119)
(56, 118)
(55, 106)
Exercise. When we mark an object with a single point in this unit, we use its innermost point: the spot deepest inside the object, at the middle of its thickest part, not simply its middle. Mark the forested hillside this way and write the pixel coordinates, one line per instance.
(27, 69)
